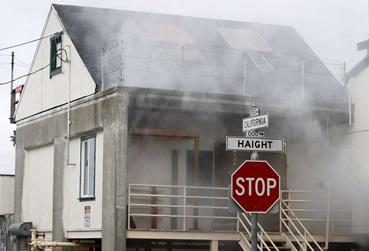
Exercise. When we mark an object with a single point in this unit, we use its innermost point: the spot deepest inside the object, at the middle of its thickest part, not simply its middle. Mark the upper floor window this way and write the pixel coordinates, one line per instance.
(88, 162)
(55, 54)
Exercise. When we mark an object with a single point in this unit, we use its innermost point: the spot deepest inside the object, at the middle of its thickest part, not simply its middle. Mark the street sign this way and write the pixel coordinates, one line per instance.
(238, 143)
(255, 134)
(255, 186)
(253, 123)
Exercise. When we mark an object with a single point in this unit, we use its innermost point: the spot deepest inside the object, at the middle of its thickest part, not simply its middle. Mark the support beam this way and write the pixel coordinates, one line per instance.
(60, 163)
(214, 245)
(114, 214)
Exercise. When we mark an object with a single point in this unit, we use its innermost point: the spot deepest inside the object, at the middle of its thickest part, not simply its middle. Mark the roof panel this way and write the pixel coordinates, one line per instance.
(168, 33)
(243, 39)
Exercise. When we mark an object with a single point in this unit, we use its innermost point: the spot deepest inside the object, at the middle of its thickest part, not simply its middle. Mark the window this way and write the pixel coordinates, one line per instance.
(88, 159)
(55, 54)
(205, 175)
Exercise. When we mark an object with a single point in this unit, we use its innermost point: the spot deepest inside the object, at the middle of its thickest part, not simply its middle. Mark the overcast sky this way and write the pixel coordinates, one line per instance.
(331, 28)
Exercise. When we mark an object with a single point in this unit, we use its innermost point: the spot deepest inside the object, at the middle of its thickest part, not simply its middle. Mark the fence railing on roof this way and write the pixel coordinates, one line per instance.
(219, 70)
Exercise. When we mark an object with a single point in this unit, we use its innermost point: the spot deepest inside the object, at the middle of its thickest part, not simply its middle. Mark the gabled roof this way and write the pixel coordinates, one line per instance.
(215, 51)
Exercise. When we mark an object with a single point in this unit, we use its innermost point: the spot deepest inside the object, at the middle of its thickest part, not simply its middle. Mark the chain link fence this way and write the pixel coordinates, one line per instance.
(190, 68)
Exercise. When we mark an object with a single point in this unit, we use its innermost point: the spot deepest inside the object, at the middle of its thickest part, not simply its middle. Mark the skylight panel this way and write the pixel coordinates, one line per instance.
(168, 33)
(243, 39)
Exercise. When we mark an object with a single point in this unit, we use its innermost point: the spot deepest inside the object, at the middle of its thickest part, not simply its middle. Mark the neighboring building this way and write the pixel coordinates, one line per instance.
(6, 208)
(121, 131)
(358, 136)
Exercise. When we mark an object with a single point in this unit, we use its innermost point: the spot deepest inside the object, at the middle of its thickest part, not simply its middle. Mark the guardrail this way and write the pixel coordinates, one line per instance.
(320, 212)
(148, 204)
(244, 228)
(184, 208)
(298, 232)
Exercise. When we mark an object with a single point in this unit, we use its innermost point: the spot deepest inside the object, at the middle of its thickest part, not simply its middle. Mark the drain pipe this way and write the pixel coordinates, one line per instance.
(328, 219)
(40, 244)
(69, 62)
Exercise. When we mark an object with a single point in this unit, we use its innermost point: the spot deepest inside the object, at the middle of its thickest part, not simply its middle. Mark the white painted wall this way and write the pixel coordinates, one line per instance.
(6, 194)
(359, 90)
(37, 197)
(359, 137)
(41, 92)
(73, 212)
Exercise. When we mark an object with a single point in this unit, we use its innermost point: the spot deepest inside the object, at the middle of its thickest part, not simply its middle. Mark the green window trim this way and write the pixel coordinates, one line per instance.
(55, 61)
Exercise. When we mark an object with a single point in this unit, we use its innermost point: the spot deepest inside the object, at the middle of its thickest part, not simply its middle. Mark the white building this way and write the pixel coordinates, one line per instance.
(121, 129)
(6, 208)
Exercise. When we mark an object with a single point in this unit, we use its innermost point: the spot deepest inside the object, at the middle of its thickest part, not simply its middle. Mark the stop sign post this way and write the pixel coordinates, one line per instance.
(255, 186)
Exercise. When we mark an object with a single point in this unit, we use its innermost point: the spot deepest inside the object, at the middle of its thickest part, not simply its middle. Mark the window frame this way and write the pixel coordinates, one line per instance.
(54, 41)
(266, 65)
(83, 197)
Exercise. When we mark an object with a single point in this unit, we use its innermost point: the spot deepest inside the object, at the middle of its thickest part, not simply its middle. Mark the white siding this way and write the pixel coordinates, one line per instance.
(359, 143)
(360, 90)
(42, 92)
(6, 195)
(38, 187)
(73, 212)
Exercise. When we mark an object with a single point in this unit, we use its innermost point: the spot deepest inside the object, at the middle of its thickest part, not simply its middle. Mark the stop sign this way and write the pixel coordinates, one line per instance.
(255, 186)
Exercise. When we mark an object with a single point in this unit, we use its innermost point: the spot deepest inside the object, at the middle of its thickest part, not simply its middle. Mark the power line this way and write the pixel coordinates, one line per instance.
(26, 75)
(59, 55)
(24, 43)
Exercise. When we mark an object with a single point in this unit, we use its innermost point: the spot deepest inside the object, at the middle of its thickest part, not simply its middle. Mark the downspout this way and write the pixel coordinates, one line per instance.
(69, 62)
(102, 69)
(348, 90)
(302, 80)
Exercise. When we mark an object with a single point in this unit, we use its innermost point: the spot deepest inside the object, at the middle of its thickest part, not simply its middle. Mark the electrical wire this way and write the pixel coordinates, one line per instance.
(26, 75)
(24, 43)
(59, 55)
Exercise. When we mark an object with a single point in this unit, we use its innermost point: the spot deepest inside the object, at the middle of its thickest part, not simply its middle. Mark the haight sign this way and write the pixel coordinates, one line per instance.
(253, 123)
(237, 143)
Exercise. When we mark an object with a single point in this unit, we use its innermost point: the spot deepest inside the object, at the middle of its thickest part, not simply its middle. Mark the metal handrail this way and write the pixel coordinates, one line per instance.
(178, 186)
(187, 197)
(291, 232)
(261, 235)
(316, 207)
(284, 208)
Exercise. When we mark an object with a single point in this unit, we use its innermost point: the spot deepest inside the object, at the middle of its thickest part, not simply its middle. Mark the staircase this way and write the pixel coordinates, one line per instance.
(293, 237)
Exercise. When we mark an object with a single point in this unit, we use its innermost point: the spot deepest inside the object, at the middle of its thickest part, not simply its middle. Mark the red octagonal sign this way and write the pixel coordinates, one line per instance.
(255, 186)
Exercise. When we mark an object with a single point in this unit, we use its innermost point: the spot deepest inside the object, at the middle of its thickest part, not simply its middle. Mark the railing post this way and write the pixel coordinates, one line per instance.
(280, 214)
(129, 206)
(305, 241)
(261, 242)
(328, 219)
(238, 222)
(184, 208)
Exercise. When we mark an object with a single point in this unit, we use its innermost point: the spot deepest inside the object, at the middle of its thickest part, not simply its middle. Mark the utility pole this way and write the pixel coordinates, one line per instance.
(12, 94)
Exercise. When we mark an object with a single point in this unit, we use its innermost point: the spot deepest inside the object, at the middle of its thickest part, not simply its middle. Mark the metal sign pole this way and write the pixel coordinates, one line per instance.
(254, 217)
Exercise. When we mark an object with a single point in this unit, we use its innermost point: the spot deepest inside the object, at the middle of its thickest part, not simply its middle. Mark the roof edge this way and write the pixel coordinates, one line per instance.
(358, 68)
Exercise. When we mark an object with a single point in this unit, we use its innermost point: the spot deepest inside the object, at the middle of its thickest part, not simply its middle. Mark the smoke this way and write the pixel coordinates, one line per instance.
(290, 83)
